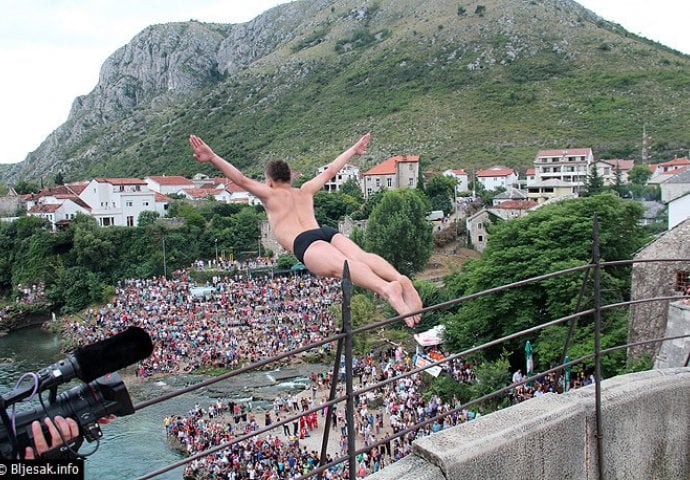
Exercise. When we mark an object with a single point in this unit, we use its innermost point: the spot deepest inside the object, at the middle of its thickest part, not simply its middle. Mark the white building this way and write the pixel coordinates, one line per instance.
(59, 211)
(348, 172)
(675, 186)
(168, 184)
(462, 179)
(530, 177)
(568, 166)
(671, 166)
(678, 210)
(118, 201)
(497, 177)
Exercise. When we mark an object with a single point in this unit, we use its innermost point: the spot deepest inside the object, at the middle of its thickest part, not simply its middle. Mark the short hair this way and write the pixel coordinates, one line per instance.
(278, 171)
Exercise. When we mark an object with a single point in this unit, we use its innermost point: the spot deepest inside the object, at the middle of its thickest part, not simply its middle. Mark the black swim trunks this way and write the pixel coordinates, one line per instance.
(306, 238)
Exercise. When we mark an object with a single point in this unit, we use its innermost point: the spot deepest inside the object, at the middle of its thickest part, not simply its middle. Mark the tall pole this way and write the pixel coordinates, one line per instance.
(165, 265)
(597, 346)
(215, 240)
(350, 401)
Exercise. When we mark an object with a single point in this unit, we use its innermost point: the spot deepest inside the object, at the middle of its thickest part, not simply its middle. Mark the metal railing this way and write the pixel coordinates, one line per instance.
(344, 341)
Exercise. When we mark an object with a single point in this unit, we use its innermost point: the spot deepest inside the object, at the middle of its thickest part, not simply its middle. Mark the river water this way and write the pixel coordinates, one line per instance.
(135, 445)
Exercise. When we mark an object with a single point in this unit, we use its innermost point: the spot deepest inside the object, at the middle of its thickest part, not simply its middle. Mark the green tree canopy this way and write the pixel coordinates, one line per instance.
(551, 238)
(639, 174)
(399, 232)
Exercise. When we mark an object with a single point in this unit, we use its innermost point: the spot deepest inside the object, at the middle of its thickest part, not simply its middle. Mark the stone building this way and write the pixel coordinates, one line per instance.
(10, 204)
(658, 279)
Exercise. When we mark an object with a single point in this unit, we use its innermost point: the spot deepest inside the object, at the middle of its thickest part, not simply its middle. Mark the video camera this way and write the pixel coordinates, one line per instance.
(103, 393)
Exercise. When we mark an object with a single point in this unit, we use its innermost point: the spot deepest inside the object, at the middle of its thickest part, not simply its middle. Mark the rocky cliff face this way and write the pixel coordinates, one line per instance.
(159, 66)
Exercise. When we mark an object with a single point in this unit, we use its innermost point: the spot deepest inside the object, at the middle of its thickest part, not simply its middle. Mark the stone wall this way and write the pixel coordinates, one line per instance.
(657, 279)
(645, 435)
(674, 353)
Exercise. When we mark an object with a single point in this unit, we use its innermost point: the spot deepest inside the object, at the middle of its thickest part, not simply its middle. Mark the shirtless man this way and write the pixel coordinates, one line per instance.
(322, 249)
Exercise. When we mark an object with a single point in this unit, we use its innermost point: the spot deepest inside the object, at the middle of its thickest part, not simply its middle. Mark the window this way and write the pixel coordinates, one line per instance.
(146, 204)
(130, 221)
(480, 225)
(378, 182)
(682, 280)
(410, 181)
(389, 182)
(480, 238)
(128, 203)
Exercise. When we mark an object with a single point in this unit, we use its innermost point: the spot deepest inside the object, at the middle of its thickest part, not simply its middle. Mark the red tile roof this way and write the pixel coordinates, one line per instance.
(170, 180)
(233, 187)
(388, 167)
(623, 165)
(200, 192)
(674, 162)
(120, 181)
(459, 172)
(45, 208)
(77, 187)
(495, 172)
(159, 197)
(517, 204)
(564, 153)
(530, 171)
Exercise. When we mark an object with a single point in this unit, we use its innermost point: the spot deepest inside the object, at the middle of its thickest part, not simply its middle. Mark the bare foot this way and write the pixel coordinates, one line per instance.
(394, 296)
(412, 299)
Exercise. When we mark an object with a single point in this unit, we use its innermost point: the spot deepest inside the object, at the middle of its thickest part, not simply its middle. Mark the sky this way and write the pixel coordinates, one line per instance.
(51, 51)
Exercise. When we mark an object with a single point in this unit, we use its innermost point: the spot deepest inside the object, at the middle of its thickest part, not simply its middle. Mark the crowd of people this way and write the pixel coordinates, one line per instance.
(233, 321)
(236, 319)
(283, 453)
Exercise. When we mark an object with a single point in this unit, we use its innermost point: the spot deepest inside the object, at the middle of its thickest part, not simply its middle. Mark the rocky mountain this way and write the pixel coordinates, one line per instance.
(463, 83)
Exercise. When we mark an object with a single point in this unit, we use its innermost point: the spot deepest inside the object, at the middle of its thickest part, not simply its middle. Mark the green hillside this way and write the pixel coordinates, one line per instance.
(458, 84)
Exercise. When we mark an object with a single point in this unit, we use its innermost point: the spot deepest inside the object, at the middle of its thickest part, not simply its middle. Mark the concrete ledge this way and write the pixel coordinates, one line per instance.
(645, 426)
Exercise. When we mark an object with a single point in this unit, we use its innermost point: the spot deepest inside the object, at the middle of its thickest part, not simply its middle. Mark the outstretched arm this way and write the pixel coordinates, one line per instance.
(317, 183)
(203, 153)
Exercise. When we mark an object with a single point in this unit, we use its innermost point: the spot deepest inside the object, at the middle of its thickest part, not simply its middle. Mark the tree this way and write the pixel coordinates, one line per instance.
(59, 179)
(639, 174)
(147, 217)
(22, 187)
(595, 183)
(440, 189)
(351, 188)
(399, 232)
(552, 238)
(329, 208)
(286, 261)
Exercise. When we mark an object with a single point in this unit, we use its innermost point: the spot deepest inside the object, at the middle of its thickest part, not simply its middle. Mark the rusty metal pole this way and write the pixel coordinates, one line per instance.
(596, 257)
(350, 401)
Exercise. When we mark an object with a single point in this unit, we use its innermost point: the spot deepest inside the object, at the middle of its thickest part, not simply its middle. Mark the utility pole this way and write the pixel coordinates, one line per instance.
(165, 265)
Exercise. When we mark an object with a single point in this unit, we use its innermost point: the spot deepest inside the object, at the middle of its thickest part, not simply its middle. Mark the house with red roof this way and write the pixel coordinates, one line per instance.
(670, 167)
(560, 172)
(59, 209)
(530, 176)
(609, 169)
(395, 172)
(497, 177)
